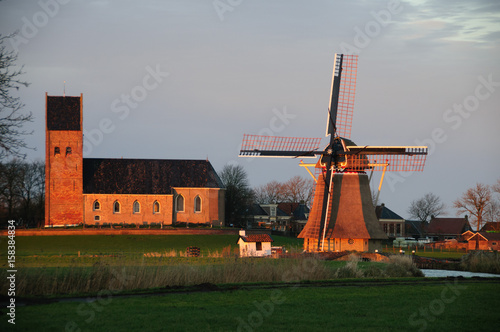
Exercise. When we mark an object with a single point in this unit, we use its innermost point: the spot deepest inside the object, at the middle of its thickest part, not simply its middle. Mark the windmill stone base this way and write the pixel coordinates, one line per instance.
(351, 225)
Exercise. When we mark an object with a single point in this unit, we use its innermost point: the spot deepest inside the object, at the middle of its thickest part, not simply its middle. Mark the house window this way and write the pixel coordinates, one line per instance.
(385, 228)
(258, 246)
(68, 150)
(398, 229)
(96, 205)
(136, 207)
(197, 204)
(273, 211)
(156, 207)
(97, 218)
(179, 203)
(391, 229)
(116, 207)
(57, 150)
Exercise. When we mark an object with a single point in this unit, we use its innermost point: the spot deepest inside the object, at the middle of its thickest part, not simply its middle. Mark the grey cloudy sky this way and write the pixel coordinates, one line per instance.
(186, 79)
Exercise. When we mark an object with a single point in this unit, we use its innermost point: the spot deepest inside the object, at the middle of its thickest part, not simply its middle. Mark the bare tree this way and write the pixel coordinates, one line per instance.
(11, 120)
(426, 207)
(269, 193)
(295, 190)
(238, 193)
(298, 190)
(476, 202)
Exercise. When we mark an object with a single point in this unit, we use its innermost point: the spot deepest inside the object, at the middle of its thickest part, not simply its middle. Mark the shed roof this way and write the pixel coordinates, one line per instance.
(146, 176)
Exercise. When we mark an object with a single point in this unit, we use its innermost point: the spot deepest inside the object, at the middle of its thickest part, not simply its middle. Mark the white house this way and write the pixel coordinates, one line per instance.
(254, 245)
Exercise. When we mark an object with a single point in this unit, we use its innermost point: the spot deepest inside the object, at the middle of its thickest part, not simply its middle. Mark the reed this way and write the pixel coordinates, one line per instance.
(120, 275)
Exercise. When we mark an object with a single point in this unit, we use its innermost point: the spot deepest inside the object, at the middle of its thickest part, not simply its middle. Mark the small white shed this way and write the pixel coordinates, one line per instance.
(254, 245)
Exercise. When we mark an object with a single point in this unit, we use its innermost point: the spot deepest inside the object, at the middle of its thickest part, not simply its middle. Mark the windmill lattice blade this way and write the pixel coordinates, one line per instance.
(276, 146)
(342, 109)
(394, 162)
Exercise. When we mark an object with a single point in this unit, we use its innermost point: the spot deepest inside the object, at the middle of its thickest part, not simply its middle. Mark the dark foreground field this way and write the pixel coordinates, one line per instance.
(438, 305)
(119, 283)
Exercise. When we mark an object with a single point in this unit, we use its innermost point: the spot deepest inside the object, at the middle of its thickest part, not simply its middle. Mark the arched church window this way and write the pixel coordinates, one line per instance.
(97, 205)
(179, 203)
(136, 207)
(68, 150)
(197, 204)
(116, 207)
(156, 207)
(57, 150)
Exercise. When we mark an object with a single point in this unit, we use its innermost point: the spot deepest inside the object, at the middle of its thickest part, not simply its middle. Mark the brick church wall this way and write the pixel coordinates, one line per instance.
(209, 205)
(126, 215)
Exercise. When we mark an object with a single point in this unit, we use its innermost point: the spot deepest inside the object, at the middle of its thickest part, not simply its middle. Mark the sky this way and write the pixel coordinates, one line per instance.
(186, 80)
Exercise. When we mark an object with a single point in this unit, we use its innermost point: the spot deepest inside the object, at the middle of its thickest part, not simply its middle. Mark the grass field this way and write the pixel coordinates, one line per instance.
(438, 306)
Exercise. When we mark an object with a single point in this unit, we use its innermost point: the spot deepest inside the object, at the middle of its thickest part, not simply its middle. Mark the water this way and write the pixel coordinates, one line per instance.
(450, 273)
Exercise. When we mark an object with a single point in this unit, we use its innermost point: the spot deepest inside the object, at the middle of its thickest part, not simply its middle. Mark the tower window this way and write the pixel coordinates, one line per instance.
(136, 207)
(57, 150)
(197, 204)
(156, 207)
(179, 203)
(68, 150)
(97, 206)
(97, 218)
(116, 207)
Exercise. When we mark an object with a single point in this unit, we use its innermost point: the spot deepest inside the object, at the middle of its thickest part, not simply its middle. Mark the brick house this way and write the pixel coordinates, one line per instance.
(392, 224)
(120, 191)
(440, 229)
(484, 241)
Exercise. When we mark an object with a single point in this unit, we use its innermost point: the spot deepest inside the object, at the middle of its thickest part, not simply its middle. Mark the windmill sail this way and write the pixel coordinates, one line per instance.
(276, 146)
(343, 90)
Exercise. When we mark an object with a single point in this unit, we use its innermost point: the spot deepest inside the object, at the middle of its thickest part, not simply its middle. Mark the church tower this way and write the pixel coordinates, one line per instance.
(63, 161)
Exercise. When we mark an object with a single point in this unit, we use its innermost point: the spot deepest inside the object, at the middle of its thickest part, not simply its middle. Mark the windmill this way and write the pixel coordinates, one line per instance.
(342, 216)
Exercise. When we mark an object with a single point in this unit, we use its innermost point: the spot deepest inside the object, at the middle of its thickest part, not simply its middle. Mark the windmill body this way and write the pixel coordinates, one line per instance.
(342, 216)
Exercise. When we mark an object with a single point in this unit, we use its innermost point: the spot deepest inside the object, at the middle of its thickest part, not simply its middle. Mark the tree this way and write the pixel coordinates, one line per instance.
(238, 193)
(295, 190)
(298, 190)
(476, 202)
(11, 120)
(426, 207)
(22, 192)
(269, 193)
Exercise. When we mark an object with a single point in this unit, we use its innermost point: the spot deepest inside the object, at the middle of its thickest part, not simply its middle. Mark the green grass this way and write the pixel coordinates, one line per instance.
(63, 250)
(437, 253)
(353, 307)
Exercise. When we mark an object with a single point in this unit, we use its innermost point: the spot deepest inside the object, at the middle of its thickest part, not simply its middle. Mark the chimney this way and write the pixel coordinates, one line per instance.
(242, 232)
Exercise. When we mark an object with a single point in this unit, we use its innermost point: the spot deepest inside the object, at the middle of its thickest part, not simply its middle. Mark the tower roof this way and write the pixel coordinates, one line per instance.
(64, 113)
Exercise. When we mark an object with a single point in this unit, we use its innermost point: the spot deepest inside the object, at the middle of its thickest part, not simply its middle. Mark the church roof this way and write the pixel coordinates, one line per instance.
(146, 176)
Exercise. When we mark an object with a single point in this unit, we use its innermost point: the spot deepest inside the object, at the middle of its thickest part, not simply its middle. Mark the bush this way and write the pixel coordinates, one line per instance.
(402, 266)
(481, 261)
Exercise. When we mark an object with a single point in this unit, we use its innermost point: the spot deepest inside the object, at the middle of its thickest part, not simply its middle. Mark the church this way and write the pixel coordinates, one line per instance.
(100, 191)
